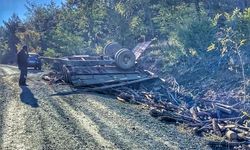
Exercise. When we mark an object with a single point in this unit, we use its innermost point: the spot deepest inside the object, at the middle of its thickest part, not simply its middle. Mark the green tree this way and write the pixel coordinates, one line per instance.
(12, 26)
(43, 19)
(3, 43)
(29, 37)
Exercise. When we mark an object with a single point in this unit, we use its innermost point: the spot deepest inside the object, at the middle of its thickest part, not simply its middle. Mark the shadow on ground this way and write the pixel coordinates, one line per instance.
(28, 98)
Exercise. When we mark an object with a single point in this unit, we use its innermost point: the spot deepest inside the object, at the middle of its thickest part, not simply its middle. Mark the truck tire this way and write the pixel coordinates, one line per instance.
(125, 59)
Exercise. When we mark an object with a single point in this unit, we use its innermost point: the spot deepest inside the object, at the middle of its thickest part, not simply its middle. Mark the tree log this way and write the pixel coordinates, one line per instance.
(193, 111)
(231, 135)
(222, 109)
(216, 128)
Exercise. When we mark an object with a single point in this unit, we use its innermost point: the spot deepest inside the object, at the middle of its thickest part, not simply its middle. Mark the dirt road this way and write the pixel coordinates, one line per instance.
(36, 118)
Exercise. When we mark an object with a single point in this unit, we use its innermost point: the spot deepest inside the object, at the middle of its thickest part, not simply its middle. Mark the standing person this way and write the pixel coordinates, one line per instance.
(22, 62)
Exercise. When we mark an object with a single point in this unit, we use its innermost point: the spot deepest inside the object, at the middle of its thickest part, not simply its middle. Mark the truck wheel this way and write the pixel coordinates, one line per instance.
(111, 49)
(125, 59)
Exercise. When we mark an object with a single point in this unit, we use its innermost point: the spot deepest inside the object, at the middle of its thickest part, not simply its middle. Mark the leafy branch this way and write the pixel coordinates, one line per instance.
(228, 41)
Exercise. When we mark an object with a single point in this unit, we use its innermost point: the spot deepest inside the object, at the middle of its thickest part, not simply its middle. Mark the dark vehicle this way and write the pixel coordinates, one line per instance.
(34, 61)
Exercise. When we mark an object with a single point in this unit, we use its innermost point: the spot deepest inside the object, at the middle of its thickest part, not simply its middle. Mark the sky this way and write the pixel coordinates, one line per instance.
(8, 7)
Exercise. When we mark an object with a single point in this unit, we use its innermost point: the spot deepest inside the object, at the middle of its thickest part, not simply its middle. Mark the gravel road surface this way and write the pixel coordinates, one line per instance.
(36, 117)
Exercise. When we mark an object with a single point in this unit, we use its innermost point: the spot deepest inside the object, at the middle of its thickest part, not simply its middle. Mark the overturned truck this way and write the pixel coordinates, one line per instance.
(116, 67)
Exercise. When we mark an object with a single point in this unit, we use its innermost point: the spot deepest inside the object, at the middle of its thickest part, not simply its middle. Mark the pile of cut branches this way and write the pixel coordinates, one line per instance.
(227, 119)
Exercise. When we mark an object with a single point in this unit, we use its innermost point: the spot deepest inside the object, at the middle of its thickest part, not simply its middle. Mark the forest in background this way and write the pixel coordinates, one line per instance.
(194, 39)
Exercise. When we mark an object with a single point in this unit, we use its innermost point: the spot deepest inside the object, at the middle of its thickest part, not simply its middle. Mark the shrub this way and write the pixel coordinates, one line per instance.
(197, 35)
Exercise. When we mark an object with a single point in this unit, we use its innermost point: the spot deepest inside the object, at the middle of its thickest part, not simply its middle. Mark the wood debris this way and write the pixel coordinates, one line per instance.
(230, 121)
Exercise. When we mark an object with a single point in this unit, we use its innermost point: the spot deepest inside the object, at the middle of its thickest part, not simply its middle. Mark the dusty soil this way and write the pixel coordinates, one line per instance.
(37, 117)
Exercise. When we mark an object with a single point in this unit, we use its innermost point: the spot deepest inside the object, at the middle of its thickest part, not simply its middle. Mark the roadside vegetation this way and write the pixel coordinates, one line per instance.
(196, 41)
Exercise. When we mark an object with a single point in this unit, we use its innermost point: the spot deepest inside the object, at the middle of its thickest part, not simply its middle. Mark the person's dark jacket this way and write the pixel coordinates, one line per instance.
(22, 59)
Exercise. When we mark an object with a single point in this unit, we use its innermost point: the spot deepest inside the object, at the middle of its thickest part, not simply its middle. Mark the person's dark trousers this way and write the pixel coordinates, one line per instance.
(23, 75)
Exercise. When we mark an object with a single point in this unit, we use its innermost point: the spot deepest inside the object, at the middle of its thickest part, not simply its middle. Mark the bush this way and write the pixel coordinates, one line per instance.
(197, 35)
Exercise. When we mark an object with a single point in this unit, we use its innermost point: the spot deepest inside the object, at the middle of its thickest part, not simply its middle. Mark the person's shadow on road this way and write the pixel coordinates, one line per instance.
(28, 98)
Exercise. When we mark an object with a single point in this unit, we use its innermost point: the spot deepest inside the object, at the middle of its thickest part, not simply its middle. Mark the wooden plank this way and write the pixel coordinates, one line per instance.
(98, 76)
(67, 62)
(140, 48)
(121, 84)
(81, 77)
(103, 79)
(87, 57)
(88, 62)
(98, 70)
(53, 60)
